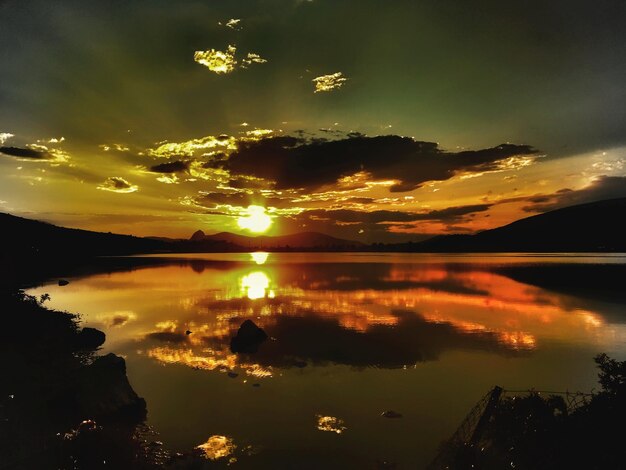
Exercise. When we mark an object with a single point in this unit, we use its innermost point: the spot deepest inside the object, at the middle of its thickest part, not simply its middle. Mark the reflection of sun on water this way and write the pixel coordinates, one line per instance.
(255, 285)
(259, 257)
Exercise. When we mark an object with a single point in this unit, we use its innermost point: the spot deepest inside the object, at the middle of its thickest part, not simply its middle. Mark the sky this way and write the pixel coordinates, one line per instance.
(371, 120)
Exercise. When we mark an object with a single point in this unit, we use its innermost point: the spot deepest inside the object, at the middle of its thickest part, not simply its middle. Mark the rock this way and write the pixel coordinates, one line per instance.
(103, 390)
(248, 339)
(90, 338)
(197, 236)
(390, 414)
(63, 282)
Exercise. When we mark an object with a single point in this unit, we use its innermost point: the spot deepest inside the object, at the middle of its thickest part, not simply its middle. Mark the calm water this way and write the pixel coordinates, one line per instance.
(351, 336)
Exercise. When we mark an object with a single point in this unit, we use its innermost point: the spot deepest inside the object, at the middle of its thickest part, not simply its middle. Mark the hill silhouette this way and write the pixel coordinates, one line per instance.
(591, 227)
(296, 240)
(20, 235)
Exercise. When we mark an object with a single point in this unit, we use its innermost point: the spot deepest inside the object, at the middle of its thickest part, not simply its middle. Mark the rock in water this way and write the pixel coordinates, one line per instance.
(103, 390)
(248, 338)
(90, 338)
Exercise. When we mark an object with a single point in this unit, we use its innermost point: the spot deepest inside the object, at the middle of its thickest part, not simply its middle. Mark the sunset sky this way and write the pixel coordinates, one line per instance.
(365, 119)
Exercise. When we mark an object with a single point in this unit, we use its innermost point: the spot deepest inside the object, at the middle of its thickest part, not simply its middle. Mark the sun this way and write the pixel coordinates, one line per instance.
(255, 219)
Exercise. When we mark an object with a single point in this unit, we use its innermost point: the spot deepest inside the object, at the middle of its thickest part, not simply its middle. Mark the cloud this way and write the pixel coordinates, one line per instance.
(4, 136)
(25, 153)
(171, 167)
(204, 146)
(234, 23)
(603, 187)
(216, 61)
(331, 82)
(239, 198)
(118, 147)
(37, 152)
(253, 58)
(223, 62)
(451, 214)
(297, 163)
(117, 184)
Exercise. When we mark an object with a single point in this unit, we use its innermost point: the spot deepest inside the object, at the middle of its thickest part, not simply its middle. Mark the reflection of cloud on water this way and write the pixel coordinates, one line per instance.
(430, 311)
(116, 319)
(217, 447)
(330, 424)
(358, 314)
(324, 340)
(208, 359)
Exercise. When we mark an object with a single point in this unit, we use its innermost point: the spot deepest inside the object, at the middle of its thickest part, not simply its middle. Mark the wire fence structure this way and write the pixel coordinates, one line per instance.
(459, 452)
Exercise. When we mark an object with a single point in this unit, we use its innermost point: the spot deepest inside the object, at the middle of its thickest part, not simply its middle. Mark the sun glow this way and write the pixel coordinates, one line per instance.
(255, 219)
(259, 257)
(255, 285)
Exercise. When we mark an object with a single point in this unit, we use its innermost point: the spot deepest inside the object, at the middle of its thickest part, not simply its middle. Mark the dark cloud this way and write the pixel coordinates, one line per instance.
(373, 217)
(604, 187)
(25, 153)
(360, 200)
(167, 336)
(239, 199)
(171, 167)
(324, 340)
(298, 163)
(117, 184)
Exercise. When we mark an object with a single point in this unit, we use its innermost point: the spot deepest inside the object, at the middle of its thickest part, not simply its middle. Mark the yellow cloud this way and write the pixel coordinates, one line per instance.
(168, 179)
(190, 147)
(117, 184)
(58, 155)
(222, 62)
(234, 23)
(4, 136)
(331, 82)
(217, 61)
(253, 58)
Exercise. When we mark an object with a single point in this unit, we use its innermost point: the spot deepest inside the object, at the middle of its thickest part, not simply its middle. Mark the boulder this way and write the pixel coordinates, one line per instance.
(90, 338)
(103, 390)
(248, 339)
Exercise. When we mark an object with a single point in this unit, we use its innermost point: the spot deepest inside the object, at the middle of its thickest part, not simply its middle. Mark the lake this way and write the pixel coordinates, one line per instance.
(350, 337)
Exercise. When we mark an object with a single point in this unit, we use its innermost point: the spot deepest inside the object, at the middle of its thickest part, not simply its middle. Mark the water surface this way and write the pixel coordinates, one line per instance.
(351, 336)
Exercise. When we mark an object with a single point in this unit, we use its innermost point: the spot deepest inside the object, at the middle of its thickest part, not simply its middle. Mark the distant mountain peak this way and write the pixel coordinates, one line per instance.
(198, 235)
(295, 240)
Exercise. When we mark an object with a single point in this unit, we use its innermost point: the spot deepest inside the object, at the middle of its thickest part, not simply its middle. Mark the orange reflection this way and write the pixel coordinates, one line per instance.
(213, 305)
(330, 424)
(259, 257)
(255, 285)
(217, 447)
(208, 359)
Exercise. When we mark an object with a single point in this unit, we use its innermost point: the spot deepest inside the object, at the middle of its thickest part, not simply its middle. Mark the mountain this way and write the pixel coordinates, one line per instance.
(595, 226)
(197, 236)
(306, 240)
(20, 235)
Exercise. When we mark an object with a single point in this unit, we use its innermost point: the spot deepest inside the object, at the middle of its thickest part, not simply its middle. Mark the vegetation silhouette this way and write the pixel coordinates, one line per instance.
(537, 432)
